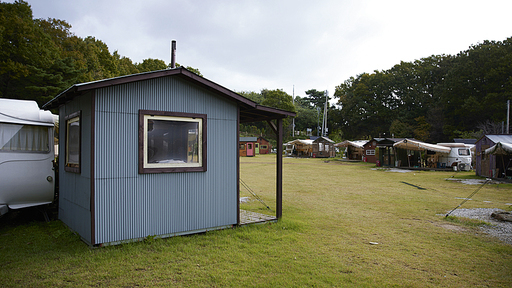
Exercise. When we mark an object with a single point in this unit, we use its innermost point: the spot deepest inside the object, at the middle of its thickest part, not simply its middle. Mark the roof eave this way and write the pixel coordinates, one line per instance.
(251, 111)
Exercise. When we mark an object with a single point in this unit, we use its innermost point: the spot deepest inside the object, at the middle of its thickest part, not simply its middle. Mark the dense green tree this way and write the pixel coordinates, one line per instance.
(367, 104)
(422, 129)
(442, 96)
(281, 100)
(254, 96)
(315, 98)
(26, 55)
(478, 85)
(41, 57)
(306, 117)
(151, 65)
(400, 130)
(277, 99)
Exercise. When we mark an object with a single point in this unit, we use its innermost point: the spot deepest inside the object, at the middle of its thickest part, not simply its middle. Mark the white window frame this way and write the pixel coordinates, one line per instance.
(146, 167)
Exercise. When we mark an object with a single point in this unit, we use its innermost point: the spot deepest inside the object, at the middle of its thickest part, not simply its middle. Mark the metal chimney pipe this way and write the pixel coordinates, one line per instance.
(173, 54)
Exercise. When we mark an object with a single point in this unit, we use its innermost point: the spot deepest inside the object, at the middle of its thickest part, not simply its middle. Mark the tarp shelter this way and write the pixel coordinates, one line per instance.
(354, 149)
(500, 149)
(421, 146)
(299, 147)
(504, 151)
(415, 145)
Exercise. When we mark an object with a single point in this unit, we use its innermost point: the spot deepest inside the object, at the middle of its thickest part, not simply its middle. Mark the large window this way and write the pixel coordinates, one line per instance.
(171, 142)
(24, 138)
(73, 142)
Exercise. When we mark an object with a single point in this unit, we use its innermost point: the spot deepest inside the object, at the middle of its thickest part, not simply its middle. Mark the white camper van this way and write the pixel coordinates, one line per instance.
(26, 155)
(459, 156)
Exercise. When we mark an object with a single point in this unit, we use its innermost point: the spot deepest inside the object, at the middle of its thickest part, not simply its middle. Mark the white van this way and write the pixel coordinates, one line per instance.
(459, 156)
(27, 175)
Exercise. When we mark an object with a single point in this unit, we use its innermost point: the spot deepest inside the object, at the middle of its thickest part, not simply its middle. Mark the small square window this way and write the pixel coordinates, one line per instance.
(73, 142)
(370, 152)
(171, 142)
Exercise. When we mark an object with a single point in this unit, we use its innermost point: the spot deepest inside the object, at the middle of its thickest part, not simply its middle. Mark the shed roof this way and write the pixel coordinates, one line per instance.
(250, 111)
(248, 139)
(465, 141)
(498, 138)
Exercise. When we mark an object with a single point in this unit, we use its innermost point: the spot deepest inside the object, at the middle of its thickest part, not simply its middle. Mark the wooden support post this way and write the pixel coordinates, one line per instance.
(279, 172)
(238, 167)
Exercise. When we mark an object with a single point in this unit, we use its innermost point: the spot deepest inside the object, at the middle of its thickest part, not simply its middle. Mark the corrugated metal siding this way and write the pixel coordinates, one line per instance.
(131, 205)
(74, 189)
(488, 141)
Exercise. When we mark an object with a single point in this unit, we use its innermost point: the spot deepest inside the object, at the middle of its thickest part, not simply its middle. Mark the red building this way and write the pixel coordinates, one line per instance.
(263, 146)
(370, 153)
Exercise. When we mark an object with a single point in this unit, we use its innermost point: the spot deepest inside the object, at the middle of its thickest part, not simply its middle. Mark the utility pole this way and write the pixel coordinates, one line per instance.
(324, 120)
(293, 119)
(318, 128)
(508, 117)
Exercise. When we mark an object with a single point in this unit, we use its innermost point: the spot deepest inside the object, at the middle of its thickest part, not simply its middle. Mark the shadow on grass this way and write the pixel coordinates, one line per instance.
(25, 216)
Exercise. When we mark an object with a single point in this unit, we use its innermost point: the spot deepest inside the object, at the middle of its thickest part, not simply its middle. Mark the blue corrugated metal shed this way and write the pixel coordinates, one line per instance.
(115, 194)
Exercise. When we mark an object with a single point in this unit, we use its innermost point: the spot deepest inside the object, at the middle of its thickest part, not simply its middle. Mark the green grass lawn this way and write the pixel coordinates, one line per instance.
(331, 212)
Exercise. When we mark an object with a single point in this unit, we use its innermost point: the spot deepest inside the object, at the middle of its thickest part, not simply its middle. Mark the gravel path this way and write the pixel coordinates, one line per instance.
(500, 229)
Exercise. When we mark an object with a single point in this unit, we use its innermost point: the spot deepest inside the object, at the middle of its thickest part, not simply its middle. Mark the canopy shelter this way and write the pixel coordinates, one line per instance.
(504, 150)
(500, 149)
(346, 143)
(421, 146)
(427, 155)
(299, 147)
(354, 149)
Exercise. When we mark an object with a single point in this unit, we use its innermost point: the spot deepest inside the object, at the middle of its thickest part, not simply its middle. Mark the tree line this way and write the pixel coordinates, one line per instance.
(40, 58)
(434, 99)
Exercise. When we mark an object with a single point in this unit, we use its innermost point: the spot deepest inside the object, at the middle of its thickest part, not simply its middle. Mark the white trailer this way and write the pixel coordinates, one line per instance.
(26, 155)
(459, 156)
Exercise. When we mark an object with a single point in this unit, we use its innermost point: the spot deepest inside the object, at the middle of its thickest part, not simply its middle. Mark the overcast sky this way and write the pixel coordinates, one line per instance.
(251, 45)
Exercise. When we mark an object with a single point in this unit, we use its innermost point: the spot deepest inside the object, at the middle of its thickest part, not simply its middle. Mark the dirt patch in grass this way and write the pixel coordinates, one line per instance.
(451, 227)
